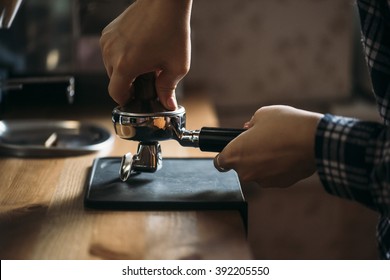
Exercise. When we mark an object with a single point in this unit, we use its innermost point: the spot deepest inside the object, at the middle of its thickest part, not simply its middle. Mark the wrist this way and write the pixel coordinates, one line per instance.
(312, 121)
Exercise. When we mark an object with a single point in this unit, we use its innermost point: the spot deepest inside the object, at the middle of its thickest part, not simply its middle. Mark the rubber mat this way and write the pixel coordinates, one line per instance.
(181, 184)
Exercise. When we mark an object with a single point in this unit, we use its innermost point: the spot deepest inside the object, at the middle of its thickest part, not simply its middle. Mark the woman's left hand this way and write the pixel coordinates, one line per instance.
(277, 149)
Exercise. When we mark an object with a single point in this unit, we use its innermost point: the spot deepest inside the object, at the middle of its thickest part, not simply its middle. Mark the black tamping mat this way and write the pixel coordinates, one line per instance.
(181, 184)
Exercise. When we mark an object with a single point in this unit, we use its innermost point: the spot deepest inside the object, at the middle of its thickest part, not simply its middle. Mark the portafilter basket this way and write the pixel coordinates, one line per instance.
(139, 121)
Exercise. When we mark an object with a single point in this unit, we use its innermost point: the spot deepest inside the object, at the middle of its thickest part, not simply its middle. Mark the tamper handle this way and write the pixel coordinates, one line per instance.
(145, 87)
(145, 98)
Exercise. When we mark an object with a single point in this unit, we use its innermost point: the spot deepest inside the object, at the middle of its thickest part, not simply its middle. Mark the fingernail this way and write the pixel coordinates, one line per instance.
(217, 162)
(172, 103)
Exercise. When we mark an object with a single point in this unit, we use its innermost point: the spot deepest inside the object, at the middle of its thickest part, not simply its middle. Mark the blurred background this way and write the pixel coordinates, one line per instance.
(52, 39)
(246, 54)
(253, 53)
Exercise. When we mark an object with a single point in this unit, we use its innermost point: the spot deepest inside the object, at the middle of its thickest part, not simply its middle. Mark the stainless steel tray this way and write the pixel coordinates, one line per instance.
(41, 138)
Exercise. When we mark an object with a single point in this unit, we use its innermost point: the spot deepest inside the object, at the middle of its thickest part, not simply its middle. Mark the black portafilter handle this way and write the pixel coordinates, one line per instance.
(213, 139)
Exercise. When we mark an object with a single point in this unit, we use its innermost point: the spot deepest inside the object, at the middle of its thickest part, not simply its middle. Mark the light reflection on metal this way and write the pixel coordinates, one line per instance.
(8, 11)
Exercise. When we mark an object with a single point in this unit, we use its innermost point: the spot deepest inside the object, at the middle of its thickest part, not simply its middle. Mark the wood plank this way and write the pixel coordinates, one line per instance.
(42, 214)
(67, 227)
(25, 194)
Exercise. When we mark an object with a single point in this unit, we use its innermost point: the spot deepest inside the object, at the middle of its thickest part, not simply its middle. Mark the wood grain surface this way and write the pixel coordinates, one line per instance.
(42, 215)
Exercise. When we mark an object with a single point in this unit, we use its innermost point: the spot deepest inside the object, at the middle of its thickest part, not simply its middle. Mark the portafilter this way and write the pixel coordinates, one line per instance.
(145, 120)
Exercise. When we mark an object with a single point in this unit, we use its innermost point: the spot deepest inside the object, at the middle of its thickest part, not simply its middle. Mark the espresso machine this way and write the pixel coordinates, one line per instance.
(30, 65)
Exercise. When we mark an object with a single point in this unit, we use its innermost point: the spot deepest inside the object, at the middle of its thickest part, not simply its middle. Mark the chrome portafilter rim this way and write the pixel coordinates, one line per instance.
(121, 111)
(157, 126)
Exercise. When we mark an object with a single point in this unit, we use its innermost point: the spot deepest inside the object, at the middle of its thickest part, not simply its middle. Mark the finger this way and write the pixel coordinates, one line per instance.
(108, 67)
(221, 163)
(109, 70)
(119, 88)
(165, 86)
(105, 58)
(218, 166)
(251, 122)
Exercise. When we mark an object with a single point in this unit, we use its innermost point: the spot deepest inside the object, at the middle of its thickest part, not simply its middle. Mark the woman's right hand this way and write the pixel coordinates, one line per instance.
(149, 36)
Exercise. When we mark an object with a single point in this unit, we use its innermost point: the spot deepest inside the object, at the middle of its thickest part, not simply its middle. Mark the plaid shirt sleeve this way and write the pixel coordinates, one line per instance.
(353, 160)
(353, 157)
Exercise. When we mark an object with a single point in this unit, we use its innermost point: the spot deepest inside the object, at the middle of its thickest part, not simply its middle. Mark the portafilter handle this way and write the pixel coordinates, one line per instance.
(213, 139)
(209, 139)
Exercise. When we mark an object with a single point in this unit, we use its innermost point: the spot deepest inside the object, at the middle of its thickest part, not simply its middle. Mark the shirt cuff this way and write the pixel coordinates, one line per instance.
(343, 164)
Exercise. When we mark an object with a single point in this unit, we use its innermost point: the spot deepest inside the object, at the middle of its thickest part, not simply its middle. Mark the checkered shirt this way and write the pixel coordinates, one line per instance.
(353, 156)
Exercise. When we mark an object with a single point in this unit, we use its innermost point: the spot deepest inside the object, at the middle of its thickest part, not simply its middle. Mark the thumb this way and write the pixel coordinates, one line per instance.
(165, 86)
(220, 163)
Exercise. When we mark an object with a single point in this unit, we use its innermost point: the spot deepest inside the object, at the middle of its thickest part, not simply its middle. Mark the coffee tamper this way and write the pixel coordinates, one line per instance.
(145, 120)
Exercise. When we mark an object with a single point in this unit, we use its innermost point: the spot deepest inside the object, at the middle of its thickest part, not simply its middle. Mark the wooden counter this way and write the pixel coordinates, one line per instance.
(42, 215)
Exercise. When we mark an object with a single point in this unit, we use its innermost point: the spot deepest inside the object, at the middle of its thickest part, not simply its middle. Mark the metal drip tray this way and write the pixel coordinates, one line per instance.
(40, 138)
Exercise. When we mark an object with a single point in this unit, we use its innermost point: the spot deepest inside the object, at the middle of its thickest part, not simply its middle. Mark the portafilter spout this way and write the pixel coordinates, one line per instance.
(139, 121)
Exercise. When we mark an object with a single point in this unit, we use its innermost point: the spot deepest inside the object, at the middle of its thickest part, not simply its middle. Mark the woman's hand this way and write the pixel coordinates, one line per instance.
(149, 36)
(277, 149)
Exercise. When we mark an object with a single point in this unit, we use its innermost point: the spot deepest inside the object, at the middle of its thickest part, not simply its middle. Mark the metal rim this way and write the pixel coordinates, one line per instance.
(119, 110)
(33, 150)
